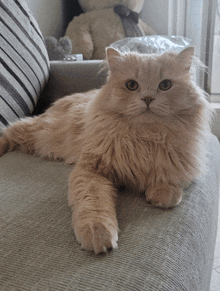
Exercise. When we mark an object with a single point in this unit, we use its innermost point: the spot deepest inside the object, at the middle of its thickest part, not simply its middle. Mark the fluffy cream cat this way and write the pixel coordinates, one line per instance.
(144, 129)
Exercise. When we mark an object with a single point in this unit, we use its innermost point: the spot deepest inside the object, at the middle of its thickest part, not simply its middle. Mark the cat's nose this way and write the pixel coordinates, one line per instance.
(148, 100)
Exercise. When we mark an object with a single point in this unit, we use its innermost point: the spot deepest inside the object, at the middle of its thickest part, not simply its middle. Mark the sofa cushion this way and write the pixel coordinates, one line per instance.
(24, 64)
(158, 249)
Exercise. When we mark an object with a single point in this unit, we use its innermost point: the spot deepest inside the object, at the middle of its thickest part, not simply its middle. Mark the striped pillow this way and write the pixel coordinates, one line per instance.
(24, 64)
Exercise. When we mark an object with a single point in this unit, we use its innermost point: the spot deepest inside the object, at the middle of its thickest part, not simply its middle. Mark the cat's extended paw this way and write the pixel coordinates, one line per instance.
(96, 236)
(164, 195)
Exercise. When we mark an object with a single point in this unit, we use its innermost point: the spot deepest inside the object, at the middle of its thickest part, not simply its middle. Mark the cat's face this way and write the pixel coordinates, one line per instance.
(151, 86)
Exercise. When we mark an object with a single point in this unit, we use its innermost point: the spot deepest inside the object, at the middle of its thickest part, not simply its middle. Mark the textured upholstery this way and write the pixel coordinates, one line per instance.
(70, 77)
(159, 250)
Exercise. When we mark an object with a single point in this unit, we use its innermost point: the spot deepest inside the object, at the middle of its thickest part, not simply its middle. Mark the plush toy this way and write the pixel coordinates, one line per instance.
(58, 49)
(104, 22)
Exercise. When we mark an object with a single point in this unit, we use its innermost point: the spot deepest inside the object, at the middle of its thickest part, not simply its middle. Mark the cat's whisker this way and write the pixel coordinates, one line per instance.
(132, 109)
(165, 110)
(180, 119)
(161, 109)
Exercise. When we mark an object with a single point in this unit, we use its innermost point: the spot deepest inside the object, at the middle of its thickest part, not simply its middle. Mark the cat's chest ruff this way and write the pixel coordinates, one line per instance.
(128, 155)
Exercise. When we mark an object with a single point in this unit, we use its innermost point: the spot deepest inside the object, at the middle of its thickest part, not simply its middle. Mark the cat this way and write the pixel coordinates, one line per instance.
(144, 129)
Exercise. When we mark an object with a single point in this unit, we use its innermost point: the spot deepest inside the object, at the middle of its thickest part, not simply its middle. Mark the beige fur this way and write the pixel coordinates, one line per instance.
(116, 138)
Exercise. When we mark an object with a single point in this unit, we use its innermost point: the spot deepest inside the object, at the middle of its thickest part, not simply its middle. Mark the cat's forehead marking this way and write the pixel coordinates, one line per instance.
(159, 67)
(150, 70)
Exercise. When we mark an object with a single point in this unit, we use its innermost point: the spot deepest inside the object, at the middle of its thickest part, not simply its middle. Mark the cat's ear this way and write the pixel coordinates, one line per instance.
(185, 58)
(112, 56)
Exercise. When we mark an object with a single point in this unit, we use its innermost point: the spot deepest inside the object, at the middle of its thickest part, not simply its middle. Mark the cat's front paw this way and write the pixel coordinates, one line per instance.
(164, 195)
(96, 236)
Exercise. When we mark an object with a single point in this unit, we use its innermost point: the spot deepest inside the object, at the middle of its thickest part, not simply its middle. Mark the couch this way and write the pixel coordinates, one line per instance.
(158, 250)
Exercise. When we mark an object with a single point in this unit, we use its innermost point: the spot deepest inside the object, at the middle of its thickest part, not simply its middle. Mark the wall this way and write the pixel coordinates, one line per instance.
(155, 14)
(215, 85)
(50, 15)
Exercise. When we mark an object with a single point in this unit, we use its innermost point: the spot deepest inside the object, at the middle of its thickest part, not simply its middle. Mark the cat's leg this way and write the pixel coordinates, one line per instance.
(20, 135)
(172, 172)
(54, 134)
(94, 216)
(164, 195)
(38, 135)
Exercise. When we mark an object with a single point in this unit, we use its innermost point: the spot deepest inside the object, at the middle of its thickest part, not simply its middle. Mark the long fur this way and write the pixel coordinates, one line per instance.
(115, 140)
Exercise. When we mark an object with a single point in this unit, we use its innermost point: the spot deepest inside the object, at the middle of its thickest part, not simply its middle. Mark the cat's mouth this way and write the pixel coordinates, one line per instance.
(148, 112)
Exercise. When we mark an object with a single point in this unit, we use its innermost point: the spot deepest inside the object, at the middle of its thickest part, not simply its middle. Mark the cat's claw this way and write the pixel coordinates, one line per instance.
(96, 237)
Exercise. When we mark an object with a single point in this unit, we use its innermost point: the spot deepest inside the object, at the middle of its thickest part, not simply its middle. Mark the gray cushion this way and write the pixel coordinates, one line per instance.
(159, 250)
(70, 77)
(24, 65)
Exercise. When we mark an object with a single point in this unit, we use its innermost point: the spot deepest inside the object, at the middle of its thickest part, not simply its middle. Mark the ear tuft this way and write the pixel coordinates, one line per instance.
(112, 56)
(185, 57)
(111, 52)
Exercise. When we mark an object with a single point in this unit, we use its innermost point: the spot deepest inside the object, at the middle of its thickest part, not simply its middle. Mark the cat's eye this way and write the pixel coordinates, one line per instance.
(132, 85)
(165, 85)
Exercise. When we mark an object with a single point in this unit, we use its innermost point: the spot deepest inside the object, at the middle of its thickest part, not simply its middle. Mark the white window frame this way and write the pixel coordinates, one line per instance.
(188, 18)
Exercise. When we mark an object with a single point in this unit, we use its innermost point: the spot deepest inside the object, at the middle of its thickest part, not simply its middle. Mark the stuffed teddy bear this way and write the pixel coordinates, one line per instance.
(104, 22)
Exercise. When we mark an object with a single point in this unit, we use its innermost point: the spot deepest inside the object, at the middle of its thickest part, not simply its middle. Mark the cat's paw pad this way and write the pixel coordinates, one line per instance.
(164, 195)
(96, 237)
